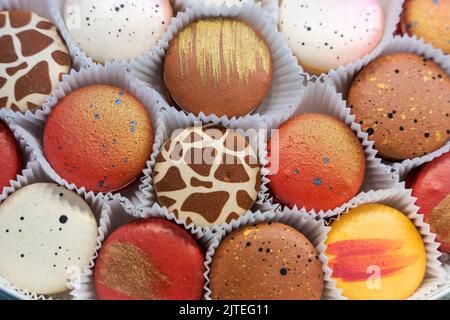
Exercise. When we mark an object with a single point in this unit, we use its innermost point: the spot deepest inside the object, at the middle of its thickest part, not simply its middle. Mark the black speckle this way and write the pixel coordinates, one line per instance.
(283, 271)
(370, 131)
(248, 244)
(63, 219)
(427, 135)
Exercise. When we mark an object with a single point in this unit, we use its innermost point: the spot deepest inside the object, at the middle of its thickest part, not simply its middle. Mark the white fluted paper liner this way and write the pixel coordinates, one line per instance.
(174, 120)
(85, 287)
(102, 212)
(43, 9)
(271, 6)
(392, 10)
(31, 126)
(314, 230)
(323, 98)
(286, 88)
(401, 199)
(81, 59)
(343, 78)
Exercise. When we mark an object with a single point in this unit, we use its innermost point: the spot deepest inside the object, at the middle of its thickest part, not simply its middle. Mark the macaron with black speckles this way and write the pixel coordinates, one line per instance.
(99, 137)
(117, 29)
(47, 233)
(267, 261)
(10, 159)
(402, 100)
(430, 20)
(326, 34)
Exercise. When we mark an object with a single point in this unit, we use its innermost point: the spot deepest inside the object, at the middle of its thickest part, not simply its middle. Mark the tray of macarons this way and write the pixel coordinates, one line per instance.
(224, 150)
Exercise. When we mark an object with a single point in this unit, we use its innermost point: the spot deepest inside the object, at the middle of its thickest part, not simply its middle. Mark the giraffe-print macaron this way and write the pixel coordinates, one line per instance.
(207, 175)
(33, 59)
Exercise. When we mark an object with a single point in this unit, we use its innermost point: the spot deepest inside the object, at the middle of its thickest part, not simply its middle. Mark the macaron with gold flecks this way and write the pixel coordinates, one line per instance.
(431, 187)
(99, 137)
(150, 259)
(267, 261)
(218, 66)
(321, 162)
(430, 20)
(376, 252)
(402, 100)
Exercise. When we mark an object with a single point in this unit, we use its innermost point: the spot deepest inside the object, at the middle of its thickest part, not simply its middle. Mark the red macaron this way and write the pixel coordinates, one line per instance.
(10, 159)
(431, 187)
(151, 259)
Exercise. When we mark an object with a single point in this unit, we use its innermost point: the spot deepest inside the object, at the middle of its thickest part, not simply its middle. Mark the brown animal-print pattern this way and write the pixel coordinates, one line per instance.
(33, 59)
(207, 175)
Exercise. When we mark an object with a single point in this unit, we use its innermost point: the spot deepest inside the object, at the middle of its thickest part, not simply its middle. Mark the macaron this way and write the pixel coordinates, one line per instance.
(33, 59)
(47, 234)
(151, 259)
(431, 187)
(376, 253)
(326, 34)
(11, 160)
(218, 66)
(207, 175)
(428, 19)
(99, 137)
(402, 100)
(320, 161)
(267, 261)
(117, 29)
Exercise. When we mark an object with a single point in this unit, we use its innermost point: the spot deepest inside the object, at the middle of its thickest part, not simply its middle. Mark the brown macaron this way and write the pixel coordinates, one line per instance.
(218, 66)
(267, 261)
(402, 100)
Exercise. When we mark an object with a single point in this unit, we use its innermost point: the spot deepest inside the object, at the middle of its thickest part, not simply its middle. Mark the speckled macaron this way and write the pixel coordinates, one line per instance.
(218, 66)
(430, 20)
(402, 100)
(320, 161)
(326, 34)
(99, 137)
(47, 234)
(150, 259)
(267, 261)
(33, 59)
(431, 187)
(10, 159)
(117, 29)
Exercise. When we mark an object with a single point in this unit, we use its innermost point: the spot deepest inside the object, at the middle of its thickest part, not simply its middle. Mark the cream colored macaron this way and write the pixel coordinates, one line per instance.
(326, 34)
(47, 235)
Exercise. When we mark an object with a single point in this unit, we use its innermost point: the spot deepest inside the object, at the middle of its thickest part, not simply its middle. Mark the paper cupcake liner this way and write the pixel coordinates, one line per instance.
(81, 58)
(174, 120)
(31, 126)
(286, 88)
(401, 199)
(322, 98)
(85, 287)
(43, 9)
(271, 6)
(343, 78)
(392, 10)
(35, 174)
(314, 230)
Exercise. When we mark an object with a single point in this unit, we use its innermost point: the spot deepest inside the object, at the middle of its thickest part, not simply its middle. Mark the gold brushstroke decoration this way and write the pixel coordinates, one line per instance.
(223, 42)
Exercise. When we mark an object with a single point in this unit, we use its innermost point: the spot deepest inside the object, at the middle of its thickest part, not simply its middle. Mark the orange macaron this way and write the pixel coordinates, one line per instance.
(99, 137)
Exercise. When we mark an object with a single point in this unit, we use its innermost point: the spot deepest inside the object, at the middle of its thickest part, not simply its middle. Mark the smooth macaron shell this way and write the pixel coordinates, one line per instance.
(151, 259)
(10, 159)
